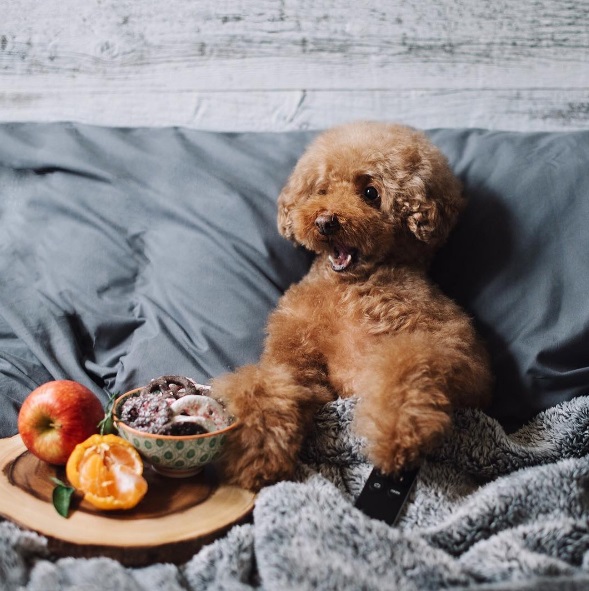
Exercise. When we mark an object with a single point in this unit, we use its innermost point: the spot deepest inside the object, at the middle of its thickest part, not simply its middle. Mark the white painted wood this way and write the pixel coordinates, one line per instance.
(295, 64)
(534, 110)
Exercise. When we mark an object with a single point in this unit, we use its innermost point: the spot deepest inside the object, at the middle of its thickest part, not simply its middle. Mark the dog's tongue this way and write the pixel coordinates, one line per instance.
(341, 258)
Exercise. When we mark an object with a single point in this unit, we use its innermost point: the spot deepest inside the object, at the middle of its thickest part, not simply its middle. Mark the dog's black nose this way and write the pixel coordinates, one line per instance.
(327, 223)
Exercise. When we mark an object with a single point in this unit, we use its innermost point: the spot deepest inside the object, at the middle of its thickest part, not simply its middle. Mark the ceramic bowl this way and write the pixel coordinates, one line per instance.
(178, 456)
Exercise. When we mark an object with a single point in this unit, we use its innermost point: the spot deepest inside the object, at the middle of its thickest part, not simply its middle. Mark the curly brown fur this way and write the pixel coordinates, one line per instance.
(374, 201)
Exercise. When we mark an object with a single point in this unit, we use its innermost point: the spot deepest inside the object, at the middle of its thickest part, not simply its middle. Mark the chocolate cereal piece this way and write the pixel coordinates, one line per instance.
(147, 412)
(175, 428)
(175, 386)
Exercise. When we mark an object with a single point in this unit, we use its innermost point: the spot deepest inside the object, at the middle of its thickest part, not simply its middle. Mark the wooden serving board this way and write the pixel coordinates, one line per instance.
(175, 519)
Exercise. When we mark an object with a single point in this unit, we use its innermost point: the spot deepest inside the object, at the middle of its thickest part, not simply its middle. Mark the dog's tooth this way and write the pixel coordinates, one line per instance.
(340, 266)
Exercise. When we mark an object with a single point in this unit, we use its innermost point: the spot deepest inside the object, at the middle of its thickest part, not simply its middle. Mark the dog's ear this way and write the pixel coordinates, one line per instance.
(300, 184)
(286, 200)
(432, 201)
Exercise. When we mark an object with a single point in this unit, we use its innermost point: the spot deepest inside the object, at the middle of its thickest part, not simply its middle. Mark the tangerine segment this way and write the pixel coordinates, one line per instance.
(108, 470)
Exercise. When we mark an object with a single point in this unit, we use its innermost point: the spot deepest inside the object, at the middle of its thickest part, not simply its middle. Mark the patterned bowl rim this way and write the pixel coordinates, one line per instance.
(117, 421)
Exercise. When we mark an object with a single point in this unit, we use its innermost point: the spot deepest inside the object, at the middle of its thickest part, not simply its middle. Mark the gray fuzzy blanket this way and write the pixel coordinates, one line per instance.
(489, 511)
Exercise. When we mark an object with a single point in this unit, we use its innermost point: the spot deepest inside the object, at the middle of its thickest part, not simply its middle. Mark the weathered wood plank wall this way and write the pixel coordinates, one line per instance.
(293, 64)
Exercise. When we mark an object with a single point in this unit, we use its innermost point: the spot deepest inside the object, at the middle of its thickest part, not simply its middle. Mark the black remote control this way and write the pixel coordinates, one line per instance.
(383, 496)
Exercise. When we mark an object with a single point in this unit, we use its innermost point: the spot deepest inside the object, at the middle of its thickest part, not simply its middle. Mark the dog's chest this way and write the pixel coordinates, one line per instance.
(345, 324)
(345, 354)
(352, 330)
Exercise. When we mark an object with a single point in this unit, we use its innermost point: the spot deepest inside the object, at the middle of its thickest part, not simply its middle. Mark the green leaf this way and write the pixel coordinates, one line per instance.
(107, 424)
(62, 497)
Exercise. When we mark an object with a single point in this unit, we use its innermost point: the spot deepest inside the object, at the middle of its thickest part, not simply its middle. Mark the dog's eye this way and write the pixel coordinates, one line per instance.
(370, 194)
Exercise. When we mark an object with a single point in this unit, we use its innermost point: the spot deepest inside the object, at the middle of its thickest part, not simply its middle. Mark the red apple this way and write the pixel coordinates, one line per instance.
(57, 416)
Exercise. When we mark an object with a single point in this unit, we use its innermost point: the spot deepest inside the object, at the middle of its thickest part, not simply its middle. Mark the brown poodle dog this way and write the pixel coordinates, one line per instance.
(374, 201)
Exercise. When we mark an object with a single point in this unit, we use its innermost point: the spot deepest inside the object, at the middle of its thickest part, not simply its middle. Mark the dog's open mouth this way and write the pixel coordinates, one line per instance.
(342, 257)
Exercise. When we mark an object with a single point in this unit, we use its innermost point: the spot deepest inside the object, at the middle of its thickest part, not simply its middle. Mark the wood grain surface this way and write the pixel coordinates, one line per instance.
(176, 517)
(275, 65)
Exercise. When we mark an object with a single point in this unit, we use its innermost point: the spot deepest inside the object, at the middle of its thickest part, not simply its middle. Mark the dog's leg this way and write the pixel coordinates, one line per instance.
(408, 388)
(275, 402)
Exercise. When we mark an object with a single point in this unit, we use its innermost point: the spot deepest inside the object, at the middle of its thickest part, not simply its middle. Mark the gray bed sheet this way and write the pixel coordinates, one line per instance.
(130, 253)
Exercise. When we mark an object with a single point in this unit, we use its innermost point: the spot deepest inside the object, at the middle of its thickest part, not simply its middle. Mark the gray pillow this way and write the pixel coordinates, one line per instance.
(131, 253)
(128, 254)
(519, 261)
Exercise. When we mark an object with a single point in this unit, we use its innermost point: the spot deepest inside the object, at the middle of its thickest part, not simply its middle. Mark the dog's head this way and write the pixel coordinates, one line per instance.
(366, 193)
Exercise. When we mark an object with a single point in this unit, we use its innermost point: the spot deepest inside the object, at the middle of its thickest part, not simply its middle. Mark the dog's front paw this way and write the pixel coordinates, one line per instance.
(254, 459)
(397, 438)
(264, 447)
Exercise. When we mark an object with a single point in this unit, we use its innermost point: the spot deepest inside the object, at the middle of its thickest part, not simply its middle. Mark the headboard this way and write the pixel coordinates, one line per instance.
(296, 64)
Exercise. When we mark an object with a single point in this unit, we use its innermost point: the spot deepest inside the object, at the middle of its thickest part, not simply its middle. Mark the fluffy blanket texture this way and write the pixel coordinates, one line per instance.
(489, 510)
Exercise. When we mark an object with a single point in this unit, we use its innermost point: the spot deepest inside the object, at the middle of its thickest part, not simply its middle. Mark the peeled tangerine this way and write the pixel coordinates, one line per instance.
(108, 470)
